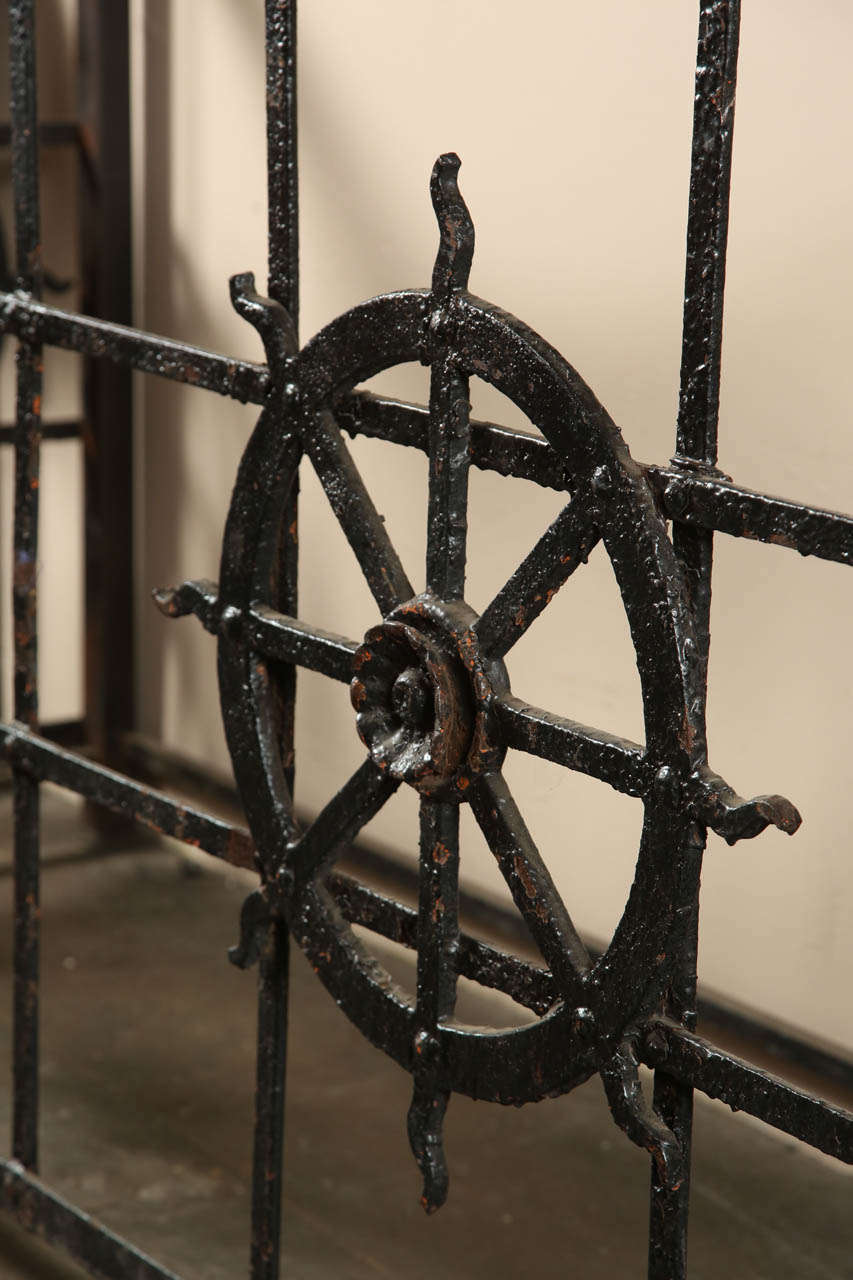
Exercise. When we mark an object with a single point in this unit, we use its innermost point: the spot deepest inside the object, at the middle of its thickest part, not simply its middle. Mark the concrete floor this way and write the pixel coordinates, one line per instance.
(148, 1075)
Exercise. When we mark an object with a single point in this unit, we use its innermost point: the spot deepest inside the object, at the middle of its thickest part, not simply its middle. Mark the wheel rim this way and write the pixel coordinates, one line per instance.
(572, 1040)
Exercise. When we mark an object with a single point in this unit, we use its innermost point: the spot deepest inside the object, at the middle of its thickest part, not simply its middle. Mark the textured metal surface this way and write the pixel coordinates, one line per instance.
(24, 597)
(430, 692)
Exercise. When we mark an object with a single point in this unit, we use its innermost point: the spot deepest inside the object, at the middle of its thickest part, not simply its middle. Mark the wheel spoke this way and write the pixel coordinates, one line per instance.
(356, 803)
(276, 635)
(530, 884)
(449, 462)
(564, 545)
(601, 755)
(358, 517)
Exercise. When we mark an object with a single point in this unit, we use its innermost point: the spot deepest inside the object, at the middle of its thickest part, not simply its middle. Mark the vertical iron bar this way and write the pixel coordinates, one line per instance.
(707, 230)
(283, 276)
(106, 266)
(283, 287)
(696, 447)
(439, 911)
(447, 516)
(282, 160)
(449, 460)
(449, 456)
(269, 1103)
(438, 944)
(438, 899)
(27, 440)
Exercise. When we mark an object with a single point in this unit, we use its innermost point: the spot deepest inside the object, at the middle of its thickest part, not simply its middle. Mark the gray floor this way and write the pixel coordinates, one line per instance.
(148, 1063)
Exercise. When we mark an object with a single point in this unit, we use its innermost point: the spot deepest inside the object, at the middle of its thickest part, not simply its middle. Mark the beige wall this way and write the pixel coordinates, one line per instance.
(574, 129)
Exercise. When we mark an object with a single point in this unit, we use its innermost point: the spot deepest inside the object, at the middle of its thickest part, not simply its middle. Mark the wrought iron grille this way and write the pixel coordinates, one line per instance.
(428, 684)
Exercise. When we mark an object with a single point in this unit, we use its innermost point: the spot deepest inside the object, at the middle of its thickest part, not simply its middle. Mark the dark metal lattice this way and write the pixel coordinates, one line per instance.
(428, 684)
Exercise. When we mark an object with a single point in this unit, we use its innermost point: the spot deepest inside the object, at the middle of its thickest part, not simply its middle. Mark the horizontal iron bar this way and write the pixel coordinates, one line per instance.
(277, 636)
(45, 1214)
(698, 499)
(713, 502)
(493, 448)
(52, 133)
(665, 1044)
(591, 751)
(525, 983)
(273, 634)
(780, 1044)
(694, 498)
(479, 962)
(743, 1087)
(70, 430)
(39, 323)
(50, 763)
(783, 1045)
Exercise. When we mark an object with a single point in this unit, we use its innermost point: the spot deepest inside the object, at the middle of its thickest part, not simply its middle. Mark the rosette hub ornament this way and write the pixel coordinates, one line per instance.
(423, 696)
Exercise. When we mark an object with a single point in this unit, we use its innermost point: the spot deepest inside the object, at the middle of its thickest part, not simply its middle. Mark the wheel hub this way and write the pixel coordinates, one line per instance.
(422, 693)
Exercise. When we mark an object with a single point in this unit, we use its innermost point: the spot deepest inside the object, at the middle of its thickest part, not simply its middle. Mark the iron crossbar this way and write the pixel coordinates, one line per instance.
(689, 492)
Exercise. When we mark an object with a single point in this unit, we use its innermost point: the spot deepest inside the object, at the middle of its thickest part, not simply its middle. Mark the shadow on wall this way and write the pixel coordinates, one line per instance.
(182, 457)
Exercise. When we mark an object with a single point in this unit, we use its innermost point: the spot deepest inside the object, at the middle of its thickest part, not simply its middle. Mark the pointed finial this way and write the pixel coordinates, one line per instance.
(272, 322)
(456, 230)
(255, 919)
(425, 1125)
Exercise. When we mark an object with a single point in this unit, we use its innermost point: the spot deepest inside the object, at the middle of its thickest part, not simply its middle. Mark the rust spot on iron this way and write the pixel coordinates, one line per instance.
(358, 693)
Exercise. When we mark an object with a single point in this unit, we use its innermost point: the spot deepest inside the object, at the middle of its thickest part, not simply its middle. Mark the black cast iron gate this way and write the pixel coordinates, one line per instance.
(428, 684)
